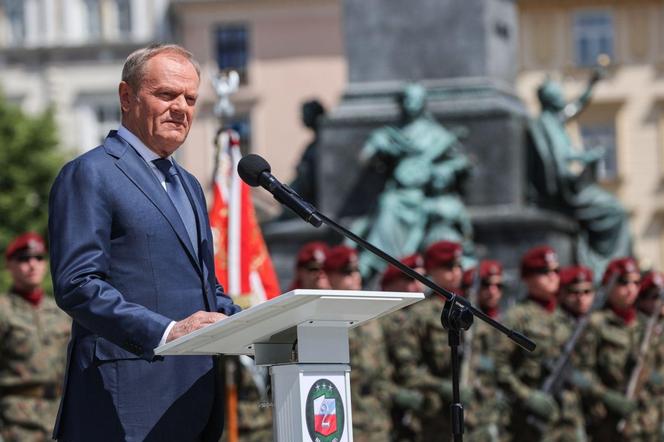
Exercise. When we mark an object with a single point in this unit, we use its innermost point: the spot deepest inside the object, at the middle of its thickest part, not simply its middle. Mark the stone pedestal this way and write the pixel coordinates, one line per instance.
(464, 53)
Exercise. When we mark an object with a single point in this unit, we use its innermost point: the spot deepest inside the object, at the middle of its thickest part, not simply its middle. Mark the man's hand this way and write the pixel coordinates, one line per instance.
(192, 323)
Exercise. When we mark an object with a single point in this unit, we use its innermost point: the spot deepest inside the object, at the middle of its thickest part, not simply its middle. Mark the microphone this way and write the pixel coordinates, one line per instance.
(255, 171)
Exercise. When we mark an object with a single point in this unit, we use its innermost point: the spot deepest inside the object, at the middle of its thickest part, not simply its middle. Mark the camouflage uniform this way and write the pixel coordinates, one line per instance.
(370, 383)
(521, 373)
(486, 414)
(610, 361)
(33, 350)
(423, 363)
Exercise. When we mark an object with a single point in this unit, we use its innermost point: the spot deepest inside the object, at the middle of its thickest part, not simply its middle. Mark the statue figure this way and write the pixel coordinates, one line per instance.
(306, 171)
(420, 203)
(562, 179)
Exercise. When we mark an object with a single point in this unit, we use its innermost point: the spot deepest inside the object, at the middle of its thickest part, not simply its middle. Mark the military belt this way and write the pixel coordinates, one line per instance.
(38, 391)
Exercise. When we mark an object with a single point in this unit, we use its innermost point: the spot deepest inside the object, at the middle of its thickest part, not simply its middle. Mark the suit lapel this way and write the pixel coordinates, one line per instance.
(139, 173)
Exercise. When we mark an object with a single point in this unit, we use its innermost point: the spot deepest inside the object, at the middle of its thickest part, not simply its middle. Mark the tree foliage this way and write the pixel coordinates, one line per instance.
(29, 161)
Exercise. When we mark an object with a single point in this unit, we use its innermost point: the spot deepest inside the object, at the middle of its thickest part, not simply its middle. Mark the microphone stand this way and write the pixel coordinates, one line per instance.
(457, 314)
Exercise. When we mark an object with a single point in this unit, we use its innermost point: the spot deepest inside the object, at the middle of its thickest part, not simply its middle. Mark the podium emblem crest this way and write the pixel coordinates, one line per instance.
(325, 412)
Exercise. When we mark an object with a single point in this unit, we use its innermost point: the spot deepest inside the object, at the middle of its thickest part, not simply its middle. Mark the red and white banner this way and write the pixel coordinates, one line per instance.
(242, 263)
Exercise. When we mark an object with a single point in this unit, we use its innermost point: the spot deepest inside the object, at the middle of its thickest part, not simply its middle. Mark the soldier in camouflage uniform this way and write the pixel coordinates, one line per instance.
(423, 359)
(407, 402)
(651, 397)
(370, 377)
(33, 346)
(486, 414)
(617, 334)
(522, 373)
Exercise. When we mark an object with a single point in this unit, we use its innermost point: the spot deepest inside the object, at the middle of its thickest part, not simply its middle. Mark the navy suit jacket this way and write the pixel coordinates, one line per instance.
(123, 268)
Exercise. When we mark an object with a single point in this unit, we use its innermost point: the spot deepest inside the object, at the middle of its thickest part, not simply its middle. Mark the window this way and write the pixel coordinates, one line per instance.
(124, 17)
(593, 36)
(15, 11)
(107, 117)
(232, 48)
(93, 18)
(603, 135)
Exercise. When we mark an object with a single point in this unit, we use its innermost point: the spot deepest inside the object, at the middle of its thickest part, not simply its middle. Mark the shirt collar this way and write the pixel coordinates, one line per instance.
(147, 154)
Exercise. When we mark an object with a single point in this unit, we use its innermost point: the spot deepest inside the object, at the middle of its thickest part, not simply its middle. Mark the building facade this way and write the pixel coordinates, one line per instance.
(68, 55)
(562, 39)
(287, 52)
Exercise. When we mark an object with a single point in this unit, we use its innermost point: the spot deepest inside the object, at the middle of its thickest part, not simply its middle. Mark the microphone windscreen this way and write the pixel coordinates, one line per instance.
(250, 168)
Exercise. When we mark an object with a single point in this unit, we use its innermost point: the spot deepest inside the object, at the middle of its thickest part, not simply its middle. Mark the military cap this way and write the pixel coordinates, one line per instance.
(575, 274)
(340, 259)
(652, 280)
(314, 251)
(488, 268)
(442, 253)
(30, 244)
(620, 267)
(393, 274)
(538, 260)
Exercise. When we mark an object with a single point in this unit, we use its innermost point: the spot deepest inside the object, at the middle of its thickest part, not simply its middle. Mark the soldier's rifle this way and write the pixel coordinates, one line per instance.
(555, 381)
(639, 369)
(473, 295)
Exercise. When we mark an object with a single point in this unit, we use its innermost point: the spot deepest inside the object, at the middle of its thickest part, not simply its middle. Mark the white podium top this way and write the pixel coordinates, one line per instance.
(259, 324)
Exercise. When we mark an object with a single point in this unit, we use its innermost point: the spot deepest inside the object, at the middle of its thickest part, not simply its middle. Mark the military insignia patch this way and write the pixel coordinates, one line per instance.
(325, 412)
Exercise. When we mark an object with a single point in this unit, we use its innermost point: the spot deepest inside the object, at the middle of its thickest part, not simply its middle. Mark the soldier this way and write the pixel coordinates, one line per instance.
(522, 373)
(486, 414)
(424, 362)
(309, 273)
(609, 361)
(407, 402)
(33, 346)
(370, 379)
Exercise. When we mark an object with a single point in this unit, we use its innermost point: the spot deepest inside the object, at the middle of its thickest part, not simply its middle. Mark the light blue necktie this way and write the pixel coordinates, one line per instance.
(177, 194)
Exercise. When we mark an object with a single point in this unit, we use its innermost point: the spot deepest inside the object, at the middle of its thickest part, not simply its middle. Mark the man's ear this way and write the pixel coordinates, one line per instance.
(126, 94)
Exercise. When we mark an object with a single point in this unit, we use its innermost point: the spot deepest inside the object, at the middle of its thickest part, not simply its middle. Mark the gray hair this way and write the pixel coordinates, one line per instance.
(134, 67)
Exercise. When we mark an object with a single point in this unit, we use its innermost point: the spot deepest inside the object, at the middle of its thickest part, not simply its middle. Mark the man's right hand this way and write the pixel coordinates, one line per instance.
(192, 323)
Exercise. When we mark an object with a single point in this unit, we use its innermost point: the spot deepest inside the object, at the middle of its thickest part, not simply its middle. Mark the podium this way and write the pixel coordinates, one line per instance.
(302, 336)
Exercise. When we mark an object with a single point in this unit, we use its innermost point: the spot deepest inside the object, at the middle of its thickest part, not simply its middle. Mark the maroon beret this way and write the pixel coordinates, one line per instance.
(488, 268)
(575, 274)
(442, 253)
(30, 242)
(650, 281)
(394, 274)
(339, 258)
(314, 251)
(620, 267)
(537, 259)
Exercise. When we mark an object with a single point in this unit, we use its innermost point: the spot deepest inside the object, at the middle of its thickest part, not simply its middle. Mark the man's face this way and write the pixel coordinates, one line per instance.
(161, 111)
(312, 276)
(626, 289)
(544, 283)
(346, 279)
(491, 290)
(578, 297)
(447, 276)
(27, 271)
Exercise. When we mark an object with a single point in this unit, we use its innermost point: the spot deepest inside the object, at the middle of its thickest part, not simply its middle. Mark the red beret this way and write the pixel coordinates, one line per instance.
(30, 242)
(394, 274)
(652, 280)
(536, 259)
(620, 267)
(339, 258)
(442, 253)
(488, 268)
(314, 251)
(575, 274)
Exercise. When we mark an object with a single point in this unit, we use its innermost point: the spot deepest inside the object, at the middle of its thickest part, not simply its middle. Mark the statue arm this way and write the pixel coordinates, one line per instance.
(574, 108)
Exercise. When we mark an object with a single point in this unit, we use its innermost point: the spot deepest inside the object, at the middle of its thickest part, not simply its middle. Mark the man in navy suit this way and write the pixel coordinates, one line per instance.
(132, 264)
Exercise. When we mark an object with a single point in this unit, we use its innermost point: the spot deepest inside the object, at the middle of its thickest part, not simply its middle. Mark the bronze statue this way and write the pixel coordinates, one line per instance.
(420, 203)
(560, 179)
